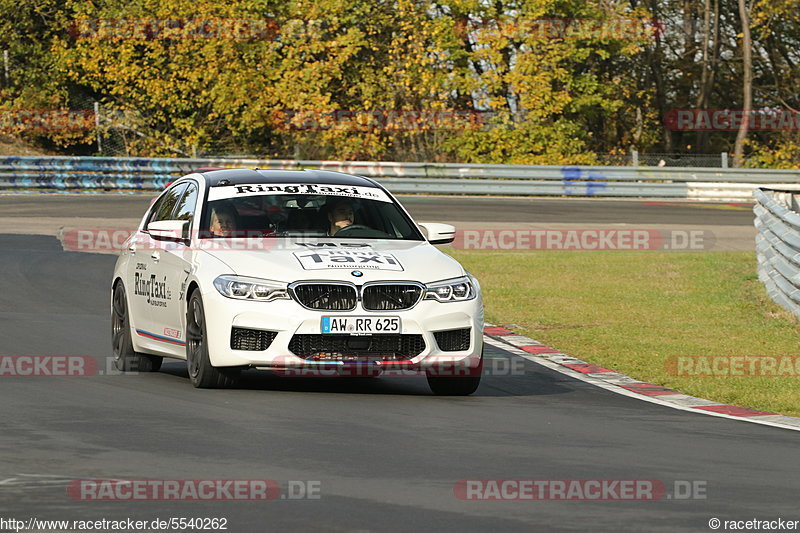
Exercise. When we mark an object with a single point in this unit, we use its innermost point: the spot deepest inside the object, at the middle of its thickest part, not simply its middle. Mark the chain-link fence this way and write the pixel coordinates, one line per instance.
(634, 158)
(119, 133)
(683, 160)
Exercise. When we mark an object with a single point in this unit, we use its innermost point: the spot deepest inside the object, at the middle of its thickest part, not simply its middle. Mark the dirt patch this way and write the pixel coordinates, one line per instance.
(15, 147)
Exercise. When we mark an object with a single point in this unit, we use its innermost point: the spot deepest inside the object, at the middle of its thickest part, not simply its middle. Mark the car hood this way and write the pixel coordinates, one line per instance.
(290, 260)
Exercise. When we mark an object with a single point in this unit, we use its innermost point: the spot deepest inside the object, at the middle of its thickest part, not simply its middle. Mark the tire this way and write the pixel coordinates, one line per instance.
(126, 359)
(454, 385)
(201, 373)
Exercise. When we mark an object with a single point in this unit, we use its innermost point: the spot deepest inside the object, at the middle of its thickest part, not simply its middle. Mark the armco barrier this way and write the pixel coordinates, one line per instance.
(70, 173)
(778, 245)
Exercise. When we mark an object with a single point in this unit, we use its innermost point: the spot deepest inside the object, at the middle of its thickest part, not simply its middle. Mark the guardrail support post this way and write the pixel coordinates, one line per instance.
(97, 127)
(724, 156)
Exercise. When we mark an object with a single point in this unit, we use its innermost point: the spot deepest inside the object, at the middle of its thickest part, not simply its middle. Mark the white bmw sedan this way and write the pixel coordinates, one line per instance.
(302, 272)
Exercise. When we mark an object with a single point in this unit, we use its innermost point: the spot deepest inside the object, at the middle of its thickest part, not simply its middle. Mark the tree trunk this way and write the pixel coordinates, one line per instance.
(702, 92)
(656, 60)
(747, 84)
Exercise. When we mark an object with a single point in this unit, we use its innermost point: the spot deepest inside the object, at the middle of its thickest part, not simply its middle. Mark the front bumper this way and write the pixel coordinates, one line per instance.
(288, 318)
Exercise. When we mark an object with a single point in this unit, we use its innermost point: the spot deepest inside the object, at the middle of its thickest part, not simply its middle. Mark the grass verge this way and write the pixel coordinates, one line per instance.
(632, 311)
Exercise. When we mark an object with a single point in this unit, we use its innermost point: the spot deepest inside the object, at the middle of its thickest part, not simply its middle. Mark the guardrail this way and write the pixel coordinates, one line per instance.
(778, 245)
(99, 173)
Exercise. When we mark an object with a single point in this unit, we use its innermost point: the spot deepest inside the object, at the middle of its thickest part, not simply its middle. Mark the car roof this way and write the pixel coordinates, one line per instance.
(240, 176)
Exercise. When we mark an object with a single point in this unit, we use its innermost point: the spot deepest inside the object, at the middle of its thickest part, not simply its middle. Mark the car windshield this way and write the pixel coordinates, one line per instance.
(289, 210)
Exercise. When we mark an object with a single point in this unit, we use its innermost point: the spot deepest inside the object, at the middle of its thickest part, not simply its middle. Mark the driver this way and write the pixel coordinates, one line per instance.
(223, 219)
(340, 215)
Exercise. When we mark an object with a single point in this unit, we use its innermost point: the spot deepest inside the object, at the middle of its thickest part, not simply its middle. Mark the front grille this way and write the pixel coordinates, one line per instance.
(326, 296)
(357, 347)
(254, 340)
(453, 340)
(390, 297)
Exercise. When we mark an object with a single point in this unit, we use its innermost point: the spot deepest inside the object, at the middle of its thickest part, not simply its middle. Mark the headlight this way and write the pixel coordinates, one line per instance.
(243, 288)
(452, 290)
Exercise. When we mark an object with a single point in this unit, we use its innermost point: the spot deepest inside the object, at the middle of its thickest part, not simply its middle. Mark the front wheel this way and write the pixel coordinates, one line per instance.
(126, 359)
(452, 384)
(201, 373)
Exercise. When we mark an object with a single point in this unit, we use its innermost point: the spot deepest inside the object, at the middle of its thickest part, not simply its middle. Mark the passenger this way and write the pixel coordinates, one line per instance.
(223, 219)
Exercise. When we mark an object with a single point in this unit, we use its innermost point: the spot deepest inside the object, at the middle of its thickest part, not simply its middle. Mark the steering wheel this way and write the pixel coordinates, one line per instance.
(359, 230)
(353, 227)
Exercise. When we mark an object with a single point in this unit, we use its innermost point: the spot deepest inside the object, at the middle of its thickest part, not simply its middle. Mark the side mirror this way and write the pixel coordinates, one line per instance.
(172, 230)
(438, 233)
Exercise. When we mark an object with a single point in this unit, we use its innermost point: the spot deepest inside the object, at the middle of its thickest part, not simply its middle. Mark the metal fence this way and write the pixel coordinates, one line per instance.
(654, 159)
(778, 245)
(110, 173)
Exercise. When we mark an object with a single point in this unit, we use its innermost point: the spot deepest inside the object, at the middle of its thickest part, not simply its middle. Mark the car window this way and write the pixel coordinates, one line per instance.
(184, 210)
(281, 210)
(166, 205)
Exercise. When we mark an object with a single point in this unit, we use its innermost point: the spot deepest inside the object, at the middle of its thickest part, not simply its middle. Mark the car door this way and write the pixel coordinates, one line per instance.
(153, 286)
(175, 266)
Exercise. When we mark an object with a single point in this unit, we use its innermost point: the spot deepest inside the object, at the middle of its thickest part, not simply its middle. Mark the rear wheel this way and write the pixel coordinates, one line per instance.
(201, 373)
(453, 384)
(126, 358)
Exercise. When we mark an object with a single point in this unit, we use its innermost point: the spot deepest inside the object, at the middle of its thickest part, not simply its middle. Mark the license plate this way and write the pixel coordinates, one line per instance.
(360, 325)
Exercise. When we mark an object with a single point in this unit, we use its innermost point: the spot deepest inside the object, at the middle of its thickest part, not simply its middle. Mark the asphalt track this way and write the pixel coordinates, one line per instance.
(457, 209)
(385, 452)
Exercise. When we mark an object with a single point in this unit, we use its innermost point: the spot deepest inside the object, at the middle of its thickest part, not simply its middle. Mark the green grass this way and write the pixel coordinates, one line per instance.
(630, 311)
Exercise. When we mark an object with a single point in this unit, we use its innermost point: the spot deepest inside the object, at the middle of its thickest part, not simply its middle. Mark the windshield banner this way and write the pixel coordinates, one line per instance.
(259, 189)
